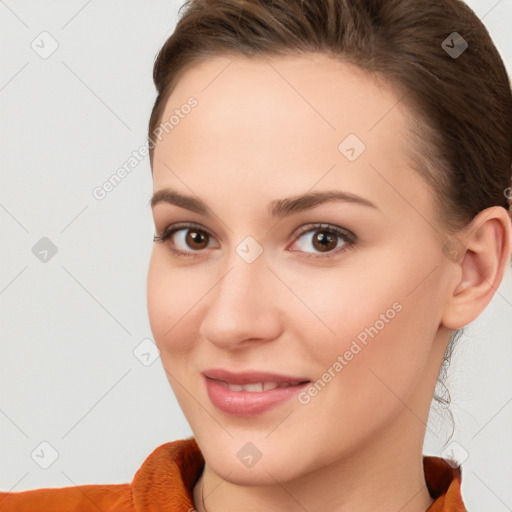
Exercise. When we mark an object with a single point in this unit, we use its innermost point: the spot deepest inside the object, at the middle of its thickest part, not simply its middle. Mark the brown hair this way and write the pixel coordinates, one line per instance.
(461, 106)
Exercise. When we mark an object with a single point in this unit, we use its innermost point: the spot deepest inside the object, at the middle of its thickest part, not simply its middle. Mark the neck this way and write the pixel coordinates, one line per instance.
(387, 475)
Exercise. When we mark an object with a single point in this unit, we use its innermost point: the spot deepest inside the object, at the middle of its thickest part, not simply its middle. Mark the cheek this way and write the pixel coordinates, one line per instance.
(175, 299)
(159, 300)
(167, 298)
(170, 301)
(377, 321)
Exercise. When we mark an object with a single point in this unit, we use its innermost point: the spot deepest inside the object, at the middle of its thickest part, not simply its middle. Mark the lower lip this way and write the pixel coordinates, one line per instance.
(248, 403)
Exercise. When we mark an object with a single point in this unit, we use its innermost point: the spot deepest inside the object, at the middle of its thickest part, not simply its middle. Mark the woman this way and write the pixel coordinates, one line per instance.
(332, 205)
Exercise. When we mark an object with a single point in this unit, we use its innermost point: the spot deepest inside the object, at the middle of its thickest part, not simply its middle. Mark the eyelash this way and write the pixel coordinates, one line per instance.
(347, 236)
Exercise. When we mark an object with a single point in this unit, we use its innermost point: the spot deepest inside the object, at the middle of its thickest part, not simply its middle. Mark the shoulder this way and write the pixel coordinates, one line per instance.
(166, 476)
(84, 498)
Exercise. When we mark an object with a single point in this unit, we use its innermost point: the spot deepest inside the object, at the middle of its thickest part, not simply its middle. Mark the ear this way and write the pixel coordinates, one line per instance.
(480, 254)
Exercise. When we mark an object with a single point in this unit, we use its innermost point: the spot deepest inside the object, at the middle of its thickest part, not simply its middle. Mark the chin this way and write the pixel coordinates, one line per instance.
(241, 461)
(275, 468)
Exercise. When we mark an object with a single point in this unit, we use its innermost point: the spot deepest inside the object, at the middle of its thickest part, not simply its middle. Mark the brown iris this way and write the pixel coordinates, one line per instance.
(196, 239)
(324, 240)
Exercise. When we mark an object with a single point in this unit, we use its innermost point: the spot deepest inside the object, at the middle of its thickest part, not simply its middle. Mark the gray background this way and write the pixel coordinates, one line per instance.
(69, 326)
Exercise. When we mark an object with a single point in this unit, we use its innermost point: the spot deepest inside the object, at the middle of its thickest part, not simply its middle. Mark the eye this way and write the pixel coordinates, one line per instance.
(325, 239)
(185, 239)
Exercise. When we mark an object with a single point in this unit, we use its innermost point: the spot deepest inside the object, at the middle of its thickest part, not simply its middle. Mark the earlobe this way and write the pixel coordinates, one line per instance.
(484, 248)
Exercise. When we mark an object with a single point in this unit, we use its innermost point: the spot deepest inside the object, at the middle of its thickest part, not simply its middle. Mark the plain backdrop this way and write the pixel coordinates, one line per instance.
(76, 93)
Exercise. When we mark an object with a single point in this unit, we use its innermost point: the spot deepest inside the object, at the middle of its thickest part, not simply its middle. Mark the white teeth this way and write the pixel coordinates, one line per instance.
(235, 387)
(257, 386)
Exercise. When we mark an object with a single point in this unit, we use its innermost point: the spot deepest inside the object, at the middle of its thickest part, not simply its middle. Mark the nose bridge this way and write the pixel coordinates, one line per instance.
(247, 273)
(242, 287)
(242, 305)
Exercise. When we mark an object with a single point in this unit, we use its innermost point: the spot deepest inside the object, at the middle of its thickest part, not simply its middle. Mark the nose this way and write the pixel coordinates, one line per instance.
(243, 307)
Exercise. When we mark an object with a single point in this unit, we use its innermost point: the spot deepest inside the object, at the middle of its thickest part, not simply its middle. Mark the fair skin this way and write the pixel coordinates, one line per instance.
(268, 129)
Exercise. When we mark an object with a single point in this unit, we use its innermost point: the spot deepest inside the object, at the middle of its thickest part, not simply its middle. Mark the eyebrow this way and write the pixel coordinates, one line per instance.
(279, 208)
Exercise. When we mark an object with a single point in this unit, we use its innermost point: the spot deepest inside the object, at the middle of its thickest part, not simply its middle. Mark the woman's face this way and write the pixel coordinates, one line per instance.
(340, 298)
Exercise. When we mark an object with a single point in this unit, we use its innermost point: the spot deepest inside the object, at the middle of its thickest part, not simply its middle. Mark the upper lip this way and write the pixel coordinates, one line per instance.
(252, 377)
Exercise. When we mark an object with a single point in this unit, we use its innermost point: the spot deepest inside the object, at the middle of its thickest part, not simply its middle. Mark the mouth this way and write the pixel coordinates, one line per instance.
(250, 393)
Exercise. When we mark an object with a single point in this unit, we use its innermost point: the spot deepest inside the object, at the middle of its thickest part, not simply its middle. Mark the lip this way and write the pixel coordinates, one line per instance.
(249, 403)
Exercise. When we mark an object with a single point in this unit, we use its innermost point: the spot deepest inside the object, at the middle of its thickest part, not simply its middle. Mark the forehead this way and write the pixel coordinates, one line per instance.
(316, 86)
(285, 119)
(290, 96)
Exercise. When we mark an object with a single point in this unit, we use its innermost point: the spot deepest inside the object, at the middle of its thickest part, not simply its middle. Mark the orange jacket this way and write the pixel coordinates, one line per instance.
(165, 481)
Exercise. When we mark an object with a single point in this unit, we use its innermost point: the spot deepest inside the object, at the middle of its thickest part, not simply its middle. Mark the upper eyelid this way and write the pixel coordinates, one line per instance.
(324, 225)
(178, 226)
